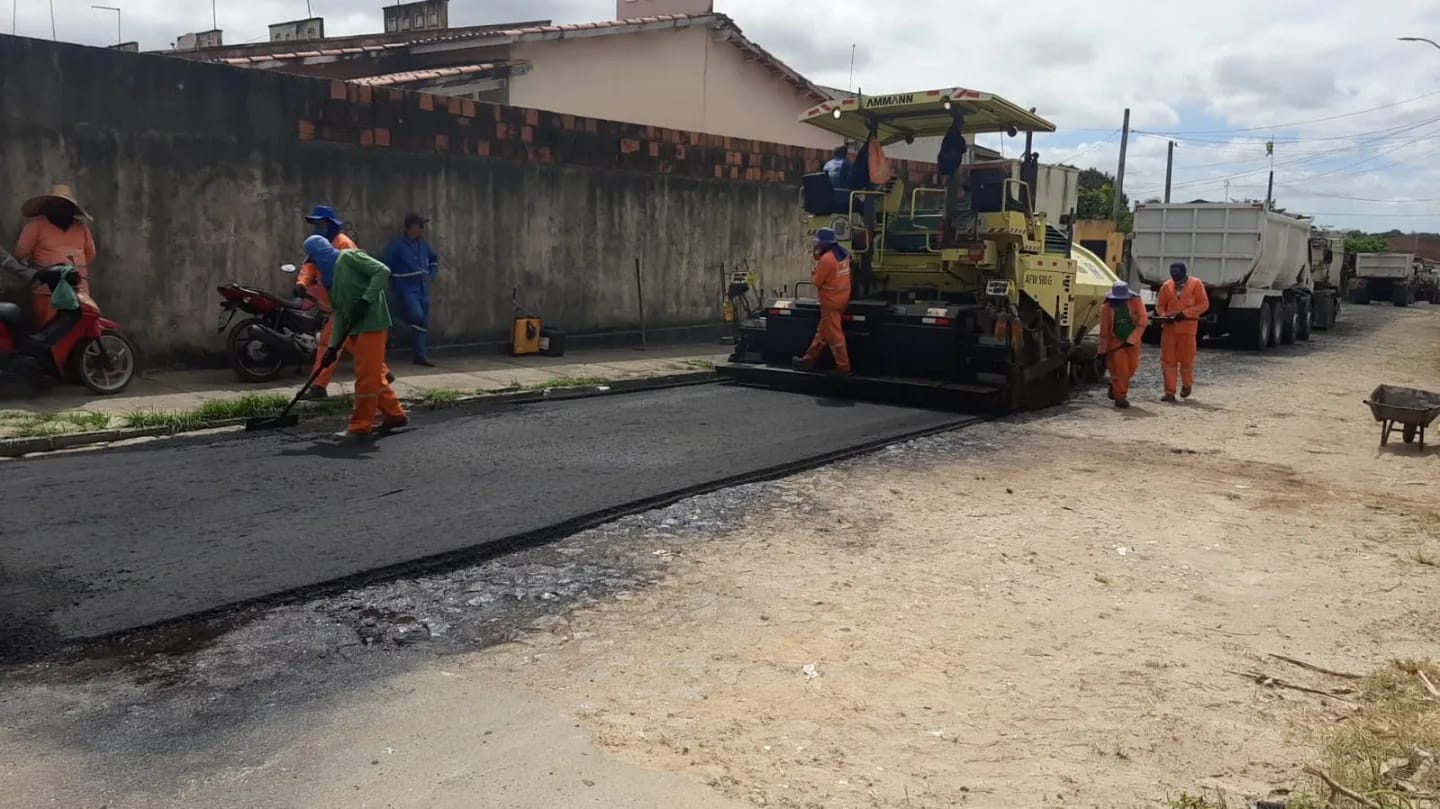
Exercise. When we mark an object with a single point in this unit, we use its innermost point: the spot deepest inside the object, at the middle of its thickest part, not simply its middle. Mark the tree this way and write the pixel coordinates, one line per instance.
(1366, 243)
(1097, 199)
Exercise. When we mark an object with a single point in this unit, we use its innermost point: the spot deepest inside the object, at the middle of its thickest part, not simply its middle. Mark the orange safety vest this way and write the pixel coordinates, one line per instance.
(1192, 300)
(832, 280)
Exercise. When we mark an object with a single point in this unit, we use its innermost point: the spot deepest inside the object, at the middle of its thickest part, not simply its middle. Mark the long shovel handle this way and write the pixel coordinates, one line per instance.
(313, 376)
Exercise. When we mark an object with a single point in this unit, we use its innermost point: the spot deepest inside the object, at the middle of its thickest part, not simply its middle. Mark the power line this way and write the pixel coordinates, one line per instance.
(1092, 147)
(1372, 134)
(1298, 123)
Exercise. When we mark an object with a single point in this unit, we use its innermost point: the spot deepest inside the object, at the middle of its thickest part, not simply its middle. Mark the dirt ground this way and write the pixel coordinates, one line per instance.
(1049, 611)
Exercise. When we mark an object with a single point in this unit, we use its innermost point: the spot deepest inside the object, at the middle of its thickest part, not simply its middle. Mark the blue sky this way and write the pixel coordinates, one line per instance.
(1223, 76)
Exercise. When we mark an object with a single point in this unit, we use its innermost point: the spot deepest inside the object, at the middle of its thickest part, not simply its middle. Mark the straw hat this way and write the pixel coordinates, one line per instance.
(36, 206)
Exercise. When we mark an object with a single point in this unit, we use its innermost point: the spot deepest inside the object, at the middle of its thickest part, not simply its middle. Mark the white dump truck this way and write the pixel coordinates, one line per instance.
(1255, 264)
(1384, 277)
(1327, 269)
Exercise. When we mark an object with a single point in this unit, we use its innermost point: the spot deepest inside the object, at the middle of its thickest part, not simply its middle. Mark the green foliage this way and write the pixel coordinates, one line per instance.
(1366, 243)
(1097, 199)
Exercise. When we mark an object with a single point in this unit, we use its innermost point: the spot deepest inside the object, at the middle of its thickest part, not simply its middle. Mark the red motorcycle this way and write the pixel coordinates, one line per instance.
(275, 333)
(81, 345)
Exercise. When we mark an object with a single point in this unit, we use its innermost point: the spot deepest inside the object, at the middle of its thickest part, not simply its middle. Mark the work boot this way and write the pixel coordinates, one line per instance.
(1111, 393)
(1168, 398)
(1123, 404)
(352, 437)
(1185, 392)
(424, 362)
(317, 392)
(390, 424)
(801, 364)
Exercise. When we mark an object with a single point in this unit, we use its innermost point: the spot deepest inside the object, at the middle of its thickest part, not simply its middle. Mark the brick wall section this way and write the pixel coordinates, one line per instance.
(339, 112)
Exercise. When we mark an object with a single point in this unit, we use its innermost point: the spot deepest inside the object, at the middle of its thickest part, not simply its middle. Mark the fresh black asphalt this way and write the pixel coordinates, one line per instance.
(96, 543)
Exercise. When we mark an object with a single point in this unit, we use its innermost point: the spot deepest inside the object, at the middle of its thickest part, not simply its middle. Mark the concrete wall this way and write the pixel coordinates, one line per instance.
(198, 175)
(678, 78)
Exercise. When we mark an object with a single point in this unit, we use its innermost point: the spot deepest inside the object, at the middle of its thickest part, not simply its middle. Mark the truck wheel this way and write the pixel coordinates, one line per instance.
(1287, 311)
(1270, 313)
(1400, 296)
(1250, 328)
(1304, 312)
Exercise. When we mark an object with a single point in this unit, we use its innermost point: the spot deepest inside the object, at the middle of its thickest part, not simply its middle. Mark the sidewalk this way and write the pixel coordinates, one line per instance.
(179, 391)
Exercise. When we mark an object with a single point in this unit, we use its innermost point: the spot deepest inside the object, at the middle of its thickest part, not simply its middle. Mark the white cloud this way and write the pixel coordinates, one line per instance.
(1179, 67)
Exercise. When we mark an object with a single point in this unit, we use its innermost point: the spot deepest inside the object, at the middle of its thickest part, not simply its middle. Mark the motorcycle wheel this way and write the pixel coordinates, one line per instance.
(252, 360)
(105, 365)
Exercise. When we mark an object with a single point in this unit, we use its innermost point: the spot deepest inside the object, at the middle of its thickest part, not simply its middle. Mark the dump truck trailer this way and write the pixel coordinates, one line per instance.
(1327, 270)
(1384, 277)
(1254, 262)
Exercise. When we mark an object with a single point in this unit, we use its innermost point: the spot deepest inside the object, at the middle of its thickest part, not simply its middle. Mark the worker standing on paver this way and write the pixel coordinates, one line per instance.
(357, 295)
(1181, 303)
(413, 265)
(1122, 327)
(832, 285)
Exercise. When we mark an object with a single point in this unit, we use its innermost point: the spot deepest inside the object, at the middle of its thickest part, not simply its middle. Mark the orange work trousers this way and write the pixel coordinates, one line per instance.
(1177, 352)
(830, 334)
(372, 393)
(322, 380)
(1122, 363)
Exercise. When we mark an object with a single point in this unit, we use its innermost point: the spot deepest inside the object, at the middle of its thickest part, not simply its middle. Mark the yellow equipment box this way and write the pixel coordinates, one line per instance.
(525, 339)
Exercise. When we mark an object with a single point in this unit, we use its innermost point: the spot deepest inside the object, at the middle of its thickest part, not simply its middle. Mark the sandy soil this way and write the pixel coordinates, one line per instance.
(1044, 612)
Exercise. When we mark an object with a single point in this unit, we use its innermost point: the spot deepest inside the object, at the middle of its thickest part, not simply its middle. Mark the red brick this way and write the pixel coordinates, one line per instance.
(482, 148)
(467, 108)
(502, 130)
(427, 102)
(442, 143)
(367, 137)
(591, 125)
(307, 130)
(719, 172)
(532, 117)
(697, 139)
(382, 137)
(654, 149)
(337, 90)
(629, 146)
(527, 134)
(453, 106)
(734, 173)
(498, 113)
(366, 95)
(567, 122)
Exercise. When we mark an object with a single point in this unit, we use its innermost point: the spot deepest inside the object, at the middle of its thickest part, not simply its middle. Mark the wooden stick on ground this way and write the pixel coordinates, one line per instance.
(1260, 678)
(1337, 787)
(1429, 686)
(1312, 667)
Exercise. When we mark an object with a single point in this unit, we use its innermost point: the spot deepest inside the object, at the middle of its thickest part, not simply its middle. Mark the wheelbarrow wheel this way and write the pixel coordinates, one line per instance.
(1408, 433)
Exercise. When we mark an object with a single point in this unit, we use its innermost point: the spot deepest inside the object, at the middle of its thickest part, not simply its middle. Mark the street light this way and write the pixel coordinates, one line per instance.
(119, 38)
(1419, 39)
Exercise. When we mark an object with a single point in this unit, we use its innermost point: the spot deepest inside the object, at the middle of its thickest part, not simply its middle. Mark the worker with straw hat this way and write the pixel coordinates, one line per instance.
(1122, 327)
(56, 233)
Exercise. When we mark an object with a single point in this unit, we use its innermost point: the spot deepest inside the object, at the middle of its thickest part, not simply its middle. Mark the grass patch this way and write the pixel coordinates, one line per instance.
(698, 365)
(23, 424)
(175, 422)
(436, 398)
(249, 406)
(1201, 801)
(568, 382)
(1384, 754)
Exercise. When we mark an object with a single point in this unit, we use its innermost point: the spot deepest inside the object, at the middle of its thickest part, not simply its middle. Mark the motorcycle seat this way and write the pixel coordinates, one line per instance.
(13, 316)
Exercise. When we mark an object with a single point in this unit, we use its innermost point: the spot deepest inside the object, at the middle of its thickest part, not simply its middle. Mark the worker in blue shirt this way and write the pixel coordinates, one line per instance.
(413, 264)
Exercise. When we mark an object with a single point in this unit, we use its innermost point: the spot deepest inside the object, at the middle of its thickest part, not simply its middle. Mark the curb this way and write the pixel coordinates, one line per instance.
(20, 447)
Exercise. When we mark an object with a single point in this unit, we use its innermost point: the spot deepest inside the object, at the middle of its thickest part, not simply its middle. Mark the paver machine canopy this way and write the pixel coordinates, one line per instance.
(959, 285)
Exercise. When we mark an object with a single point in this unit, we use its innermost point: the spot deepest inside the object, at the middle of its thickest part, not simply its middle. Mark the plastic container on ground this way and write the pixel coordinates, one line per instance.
(1255, 265)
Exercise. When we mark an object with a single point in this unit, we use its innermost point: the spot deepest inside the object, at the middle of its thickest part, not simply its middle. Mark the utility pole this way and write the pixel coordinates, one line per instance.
(1169, 169)
(1120, 174)
(1227, 190)
(1270, 187)
(53, 35)
(851, 86)
(214, 17)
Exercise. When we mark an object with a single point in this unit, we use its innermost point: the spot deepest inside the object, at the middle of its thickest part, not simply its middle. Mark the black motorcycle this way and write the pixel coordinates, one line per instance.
(278, 332)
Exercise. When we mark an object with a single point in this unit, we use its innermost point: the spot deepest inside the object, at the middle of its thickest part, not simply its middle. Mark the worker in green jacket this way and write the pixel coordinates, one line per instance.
(357, 301)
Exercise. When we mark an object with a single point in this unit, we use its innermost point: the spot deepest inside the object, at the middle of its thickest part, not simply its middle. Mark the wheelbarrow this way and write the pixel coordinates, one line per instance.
(1410, 408)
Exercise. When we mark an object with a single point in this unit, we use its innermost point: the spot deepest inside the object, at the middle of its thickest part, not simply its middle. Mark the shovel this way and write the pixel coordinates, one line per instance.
(286, 418)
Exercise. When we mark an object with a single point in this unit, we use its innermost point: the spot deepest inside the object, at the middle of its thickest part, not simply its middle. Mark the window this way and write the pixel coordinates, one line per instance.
(390, 24)
(420, 20)
(434, 17)
(404, 23)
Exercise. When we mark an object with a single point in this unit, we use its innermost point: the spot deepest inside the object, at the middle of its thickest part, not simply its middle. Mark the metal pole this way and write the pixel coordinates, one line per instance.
(1120, 174)
(851, 85)
(214, 17)
(1169, 169)
(53, 35)
(640, 298)
(119, 37)
(1419, 39)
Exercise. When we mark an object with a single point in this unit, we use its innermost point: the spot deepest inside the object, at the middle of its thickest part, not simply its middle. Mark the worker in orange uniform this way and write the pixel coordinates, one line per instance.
(1122, 327)
(57, 233)
(832, 284)
(312, 282)
(1182, 301)
(362, 314)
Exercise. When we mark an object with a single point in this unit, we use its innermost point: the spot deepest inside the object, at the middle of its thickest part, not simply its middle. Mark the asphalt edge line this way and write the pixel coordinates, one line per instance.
(459, 559)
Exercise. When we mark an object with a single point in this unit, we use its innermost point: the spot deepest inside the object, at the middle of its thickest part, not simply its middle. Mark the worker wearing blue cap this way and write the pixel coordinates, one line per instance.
(832, 285)
(316, 282)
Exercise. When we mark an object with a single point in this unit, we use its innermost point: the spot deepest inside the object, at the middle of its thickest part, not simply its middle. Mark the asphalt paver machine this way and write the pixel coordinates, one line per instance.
(962, 292)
